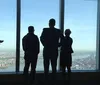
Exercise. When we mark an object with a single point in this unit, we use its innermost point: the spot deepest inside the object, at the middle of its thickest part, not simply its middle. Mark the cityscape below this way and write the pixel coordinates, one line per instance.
(81, 60)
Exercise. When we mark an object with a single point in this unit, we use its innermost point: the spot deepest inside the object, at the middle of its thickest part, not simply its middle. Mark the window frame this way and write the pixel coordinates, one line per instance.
(18, 23)
(61, 26)
(98, 37)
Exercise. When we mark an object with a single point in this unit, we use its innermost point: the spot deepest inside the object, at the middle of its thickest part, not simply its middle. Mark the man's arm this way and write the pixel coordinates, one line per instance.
(38, 46)
(61, 38)
(42, 37)
(23, 43)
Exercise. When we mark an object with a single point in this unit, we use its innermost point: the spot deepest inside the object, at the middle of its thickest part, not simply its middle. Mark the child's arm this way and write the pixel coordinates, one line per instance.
(71, 45)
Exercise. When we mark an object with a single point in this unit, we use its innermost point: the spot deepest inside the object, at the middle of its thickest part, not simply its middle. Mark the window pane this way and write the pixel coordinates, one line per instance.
(8, 34)
(81, 18)
(37, 13)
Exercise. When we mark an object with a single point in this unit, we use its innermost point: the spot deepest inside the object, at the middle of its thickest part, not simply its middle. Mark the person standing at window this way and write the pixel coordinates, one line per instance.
(30, 43)
(50, 40)
(66, 54)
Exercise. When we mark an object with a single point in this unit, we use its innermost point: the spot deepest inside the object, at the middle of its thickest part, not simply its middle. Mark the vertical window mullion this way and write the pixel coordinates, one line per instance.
(62, 15)
(18, 34)
(98, 36)
(61, 19)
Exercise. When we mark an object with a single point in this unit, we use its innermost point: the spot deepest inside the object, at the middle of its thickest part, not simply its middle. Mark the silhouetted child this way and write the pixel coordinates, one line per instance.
(66, 54)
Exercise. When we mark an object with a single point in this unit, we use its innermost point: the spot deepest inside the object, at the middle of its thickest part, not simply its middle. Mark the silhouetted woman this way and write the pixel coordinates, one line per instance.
(66, 54)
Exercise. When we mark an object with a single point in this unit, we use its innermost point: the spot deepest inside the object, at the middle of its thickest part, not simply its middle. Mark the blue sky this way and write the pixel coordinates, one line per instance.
(80, 17)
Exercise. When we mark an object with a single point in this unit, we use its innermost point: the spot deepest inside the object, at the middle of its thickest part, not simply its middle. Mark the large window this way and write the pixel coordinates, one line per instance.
(37, 13)
(81, 18)
(8, 34)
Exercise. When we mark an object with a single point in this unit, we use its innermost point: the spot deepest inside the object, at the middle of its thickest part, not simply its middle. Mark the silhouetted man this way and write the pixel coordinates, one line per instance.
(50, 40)
(30, 44)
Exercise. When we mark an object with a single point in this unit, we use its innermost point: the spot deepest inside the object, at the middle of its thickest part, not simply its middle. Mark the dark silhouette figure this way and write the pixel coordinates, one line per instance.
(30, 43)
(1, 41)
(66, 54)
(50, 40)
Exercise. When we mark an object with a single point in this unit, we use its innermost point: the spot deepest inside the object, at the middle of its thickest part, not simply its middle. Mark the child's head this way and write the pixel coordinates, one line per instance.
(67, 32)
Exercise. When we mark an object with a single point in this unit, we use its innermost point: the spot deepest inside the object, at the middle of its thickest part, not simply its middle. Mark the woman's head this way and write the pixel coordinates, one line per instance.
(67, 32)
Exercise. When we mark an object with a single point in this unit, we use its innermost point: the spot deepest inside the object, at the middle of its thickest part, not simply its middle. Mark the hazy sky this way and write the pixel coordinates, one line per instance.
(80, 17)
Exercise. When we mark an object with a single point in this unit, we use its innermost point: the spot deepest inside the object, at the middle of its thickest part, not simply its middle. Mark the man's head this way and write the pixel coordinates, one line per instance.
(31, 29)
(52, 22)
(67, 32)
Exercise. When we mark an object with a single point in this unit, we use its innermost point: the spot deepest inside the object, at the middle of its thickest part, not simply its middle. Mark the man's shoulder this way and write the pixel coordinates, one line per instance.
(25, 36)
(45, 29)
(57, 29)
(48, 30)
(28, 35)
(35, 36)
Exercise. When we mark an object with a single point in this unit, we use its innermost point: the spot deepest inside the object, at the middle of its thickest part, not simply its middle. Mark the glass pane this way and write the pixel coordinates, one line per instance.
(37, 13)
(8, 34)
(81, 18)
